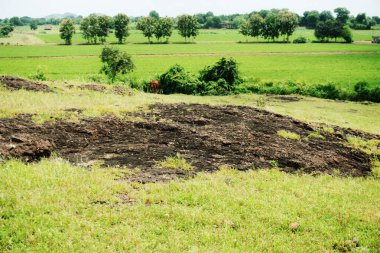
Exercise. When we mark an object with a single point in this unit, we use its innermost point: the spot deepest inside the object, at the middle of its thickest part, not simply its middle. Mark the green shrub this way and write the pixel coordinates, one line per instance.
(328, 91)
(300, 40)
(115, 62)
(177, 80)
(39, 75)
(226, 69)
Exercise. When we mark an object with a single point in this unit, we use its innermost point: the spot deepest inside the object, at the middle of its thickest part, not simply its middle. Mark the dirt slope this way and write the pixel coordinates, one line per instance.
(15, 83)
(207, 136)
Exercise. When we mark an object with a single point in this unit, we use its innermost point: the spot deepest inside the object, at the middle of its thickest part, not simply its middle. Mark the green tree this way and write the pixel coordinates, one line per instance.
(164, 28)
(121, 22)
(325, 15)
(67, 30)
(15, 21)
(154, 14)
(271, 28)
(187, 26)
(34, 24)
(256, 25)
(5, 30)
(148, 26)
(288, 22)
(90, 28)
(104, 24)
(342, 15)
(346, 34)
(115, 62)
(245, 29)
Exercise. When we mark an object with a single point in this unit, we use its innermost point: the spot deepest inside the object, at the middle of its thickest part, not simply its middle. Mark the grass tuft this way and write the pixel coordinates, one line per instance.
(289, 135)
(176, 162)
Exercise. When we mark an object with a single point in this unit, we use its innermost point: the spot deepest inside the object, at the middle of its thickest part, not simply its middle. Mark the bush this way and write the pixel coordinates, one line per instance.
(177, 80)
(362, 93)
(212, 88)
(226, 69)
(328, 91)
(39, 75)
(115, 62)
(300, 40)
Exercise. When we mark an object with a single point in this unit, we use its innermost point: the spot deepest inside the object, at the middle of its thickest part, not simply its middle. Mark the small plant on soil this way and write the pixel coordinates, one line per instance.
(315, 135)
(176, 162)
(39, 75)
(329, 130)
(375, 167)
(289, 135)
(367, 146)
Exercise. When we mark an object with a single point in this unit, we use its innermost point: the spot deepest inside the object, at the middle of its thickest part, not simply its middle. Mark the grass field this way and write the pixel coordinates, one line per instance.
(54, 206)
(205, 36)
(57, 207)
(344, 70)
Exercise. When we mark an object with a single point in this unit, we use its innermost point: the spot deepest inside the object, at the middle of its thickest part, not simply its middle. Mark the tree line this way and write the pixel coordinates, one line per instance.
(97, 28)
(208, 20)
(271, 25)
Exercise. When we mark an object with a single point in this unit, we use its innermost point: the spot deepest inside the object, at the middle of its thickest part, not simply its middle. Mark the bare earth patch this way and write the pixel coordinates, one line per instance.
(15, 83)
(207, 136)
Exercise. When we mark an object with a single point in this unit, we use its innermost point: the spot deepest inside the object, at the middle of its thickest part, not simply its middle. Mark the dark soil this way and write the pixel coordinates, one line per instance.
(207, 136)
(15, 83)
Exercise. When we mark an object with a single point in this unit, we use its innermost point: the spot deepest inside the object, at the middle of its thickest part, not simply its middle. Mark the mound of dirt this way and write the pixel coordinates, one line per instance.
(15, 83)
(207, 136)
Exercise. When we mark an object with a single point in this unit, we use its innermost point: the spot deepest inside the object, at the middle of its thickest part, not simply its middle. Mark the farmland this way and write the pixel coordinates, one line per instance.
(91, 166)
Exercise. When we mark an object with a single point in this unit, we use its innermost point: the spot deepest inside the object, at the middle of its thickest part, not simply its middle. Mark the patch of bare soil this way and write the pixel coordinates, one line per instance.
(93, 87)
(15, 83)
(206, 136)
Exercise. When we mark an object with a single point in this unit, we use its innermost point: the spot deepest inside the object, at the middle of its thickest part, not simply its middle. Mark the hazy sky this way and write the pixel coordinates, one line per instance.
(40, 8)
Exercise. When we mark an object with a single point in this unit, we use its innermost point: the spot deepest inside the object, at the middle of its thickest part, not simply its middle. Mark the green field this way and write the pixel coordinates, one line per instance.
(344, 70)
(205, 36)
(56, 207)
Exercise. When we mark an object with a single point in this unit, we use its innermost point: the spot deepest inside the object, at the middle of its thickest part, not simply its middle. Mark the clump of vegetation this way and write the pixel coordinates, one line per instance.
(5, 30)
(316, 135)
(226, 69)
(115, 62)
(376, 167)
(329, 130)
(39, 75)
(368, 146)
(361, 91)
(219, 79)
(178, 80)
(300, 40)
(289, 135)
(176, 162)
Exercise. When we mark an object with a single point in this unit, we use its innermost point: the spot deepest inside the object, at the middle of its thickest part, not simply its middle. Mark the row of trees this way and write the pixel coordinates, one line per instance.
(97, 28)
(310, 19)
(273, 25)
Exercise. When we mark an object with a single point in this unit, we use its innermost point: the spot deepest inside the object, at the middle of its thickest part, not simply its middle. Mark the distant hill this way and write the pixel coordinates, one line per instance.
(64, 15)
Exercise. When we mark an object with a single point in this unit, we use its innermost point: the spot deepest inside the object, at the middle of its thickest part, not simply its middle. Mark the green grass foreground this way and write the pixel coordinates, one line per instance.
(54, 207)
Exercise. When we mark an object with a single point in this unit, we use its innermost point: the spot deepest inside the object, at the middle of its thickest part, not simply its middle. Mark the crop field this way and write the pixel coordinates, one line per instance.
(87, 165)
(205, 36)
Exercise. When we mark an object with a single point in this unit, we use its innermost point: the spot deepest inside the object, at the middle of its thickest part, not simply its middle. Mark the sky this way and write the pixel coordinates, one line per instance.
(41, 8)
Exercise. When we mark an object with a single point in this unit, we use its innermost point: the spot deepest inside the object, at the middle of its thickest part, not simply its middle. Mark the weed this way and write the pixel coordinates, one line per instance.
(368, 146)
(316, 135)
(289, 135)
(39, 75)
(176, 162)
